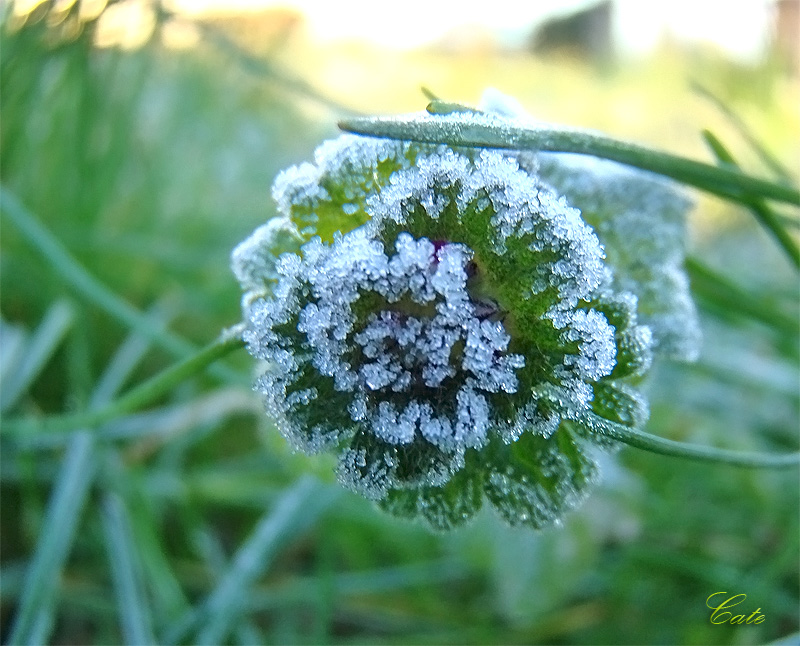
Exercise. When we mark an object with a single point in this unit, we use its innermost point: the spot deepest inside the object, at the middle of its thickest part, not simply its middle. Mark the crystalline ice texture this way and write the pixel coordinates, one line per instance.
(254, 260)
(523, 209)
(639, 217)
(399, 344)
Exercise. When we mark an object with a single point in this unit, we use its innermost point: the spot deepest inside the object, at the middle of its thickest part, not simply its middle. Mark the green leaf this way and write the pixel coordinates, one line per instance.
(36, 604)
(535, 480)
(441, 508)
(295, 512)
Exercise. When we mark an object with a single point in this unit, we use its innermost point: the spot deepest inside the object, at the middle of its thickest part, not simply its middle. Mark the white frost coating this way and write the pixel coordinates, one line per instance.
(523, 501)
(349, 163)
(496, 102)
(597, 352)
(393, 351)
(522, 207)
(253, 261)
(350, 154)
(387, 356)
(370, 478)
(298, 185)
(639, 217)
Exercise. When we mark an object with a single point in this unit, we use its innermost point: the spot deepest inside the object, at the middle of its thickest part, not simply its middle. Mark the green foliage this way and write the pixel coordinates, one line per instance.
(191, 521)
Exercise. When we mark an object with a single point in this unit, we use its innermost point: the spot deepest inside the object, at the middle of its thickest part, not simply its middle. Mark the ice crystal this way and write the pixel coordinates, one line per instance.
(253, 260)
(398, 333)
(639, 217)
(330, 195)
(641, 220)
(450, 329)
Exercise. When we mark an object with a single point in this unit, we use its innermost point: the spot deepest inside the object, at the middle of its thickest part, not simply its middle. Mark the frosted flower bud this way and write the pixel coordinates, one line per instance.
(640, 218)
(253, 260)
(454, 343)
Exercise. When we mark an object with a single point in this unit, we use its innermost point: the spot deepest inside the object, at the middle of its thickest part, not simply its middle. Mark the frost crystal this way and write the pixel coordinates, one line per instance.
(253, 260)
(399, 335)
(450, 329)
(640, 218)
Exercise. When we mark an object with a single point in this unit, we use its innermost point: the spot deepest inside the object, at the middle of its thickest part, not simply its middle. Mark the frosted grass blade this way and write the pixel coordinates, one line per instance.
(72, 272)
(483, 131)
(293, 513)
(55, 540)
(134, 612)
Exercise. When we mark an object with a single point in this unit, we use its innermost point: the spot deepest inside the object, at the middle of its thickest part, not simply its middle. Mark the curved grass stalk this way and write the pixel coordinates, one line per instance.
(137, 398)
(73, 273)
(761, 211)
(688, 451)
(459, 129)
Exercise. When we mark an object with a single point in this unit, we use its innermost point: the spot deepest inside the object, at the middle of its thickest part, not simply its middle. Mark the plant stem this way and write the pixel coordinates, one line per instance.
(73, 273)
(484, 131)
(137, 398)
(663, 446)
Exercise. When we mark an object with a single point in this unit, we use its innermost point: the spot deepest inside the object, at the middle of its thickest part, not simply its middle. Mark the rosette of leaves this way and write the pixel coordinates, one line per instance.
(450, 329)
(639, 218)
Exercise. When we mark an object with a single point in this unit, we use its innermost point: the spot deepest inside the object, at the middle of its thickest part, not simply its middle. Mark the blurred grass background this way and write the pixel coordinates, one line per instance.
(149, 159)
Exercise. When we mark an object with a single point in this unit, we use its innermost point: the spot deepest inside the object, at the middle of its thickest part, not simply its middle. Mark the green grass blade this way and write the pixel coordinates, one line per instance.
(295, 511)
(722, 294)
(13, 340)
(72, 272)
(160, 425)
(121, 365)
(135, 399)
(770, 161)
(210, 548)
(765, 215)
(40, 348)
(134, 612)
(158, 576)
(374, 581)
(54, 543)
(488, 132)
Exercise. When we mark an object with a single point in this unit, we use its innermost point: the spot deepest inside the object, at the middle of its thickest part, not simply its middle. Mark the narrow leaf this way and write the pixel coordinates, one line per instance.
(54, 543)
(765, 215)
(483, 131)
(767, 157)
(73, 273)
(45, 341)
(132, 603)
(294, 512)
(717, 290)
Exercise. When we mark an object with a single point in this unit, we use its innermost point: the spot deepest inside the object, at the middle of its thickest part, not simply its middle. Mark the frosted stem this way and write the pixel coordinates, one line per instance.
(663, 446)
(466, 129)
(137, 398)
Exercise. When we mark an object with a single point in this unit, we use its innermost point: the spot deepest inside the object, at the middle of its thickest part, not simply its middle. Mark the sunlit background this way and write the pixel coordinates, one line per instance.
(145, 135)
